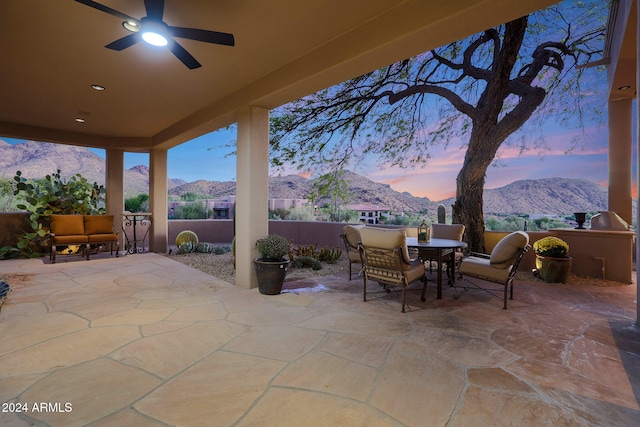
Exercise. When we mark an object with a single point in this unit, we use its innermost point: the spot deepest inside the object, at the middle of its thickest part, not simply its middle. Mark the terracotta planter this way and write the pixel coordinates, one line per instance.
(553, 270)
(270, 275)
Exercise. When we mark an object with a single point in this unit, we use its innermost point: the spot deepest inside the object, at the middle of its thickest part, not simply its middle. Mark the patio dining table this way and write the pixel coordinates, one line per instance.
(442, 247)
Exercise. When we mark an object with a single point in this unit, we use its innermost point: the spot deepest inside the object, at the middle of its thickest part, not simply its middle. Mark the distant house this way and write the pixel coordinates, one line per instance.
(370, 214)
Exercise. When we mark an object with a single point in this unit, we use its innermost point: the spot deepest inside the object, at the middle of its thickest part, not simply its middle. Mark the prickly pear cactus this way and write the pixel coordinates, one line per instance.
(186, 236)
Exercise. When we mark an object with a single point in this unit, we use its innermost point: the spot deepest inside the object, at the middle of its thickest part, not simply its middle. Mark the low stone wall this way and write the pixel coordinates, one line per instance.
(207, 230)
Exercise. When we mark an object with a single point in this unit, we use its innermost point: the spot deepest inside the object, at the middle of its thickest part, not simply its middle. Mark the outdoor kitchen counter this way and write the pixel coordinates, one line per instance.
(603, 254)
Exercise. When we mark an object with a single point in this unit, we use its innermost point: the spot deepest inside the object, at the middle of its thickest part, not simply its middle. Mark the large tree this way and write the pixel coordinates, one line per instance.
(483, 89)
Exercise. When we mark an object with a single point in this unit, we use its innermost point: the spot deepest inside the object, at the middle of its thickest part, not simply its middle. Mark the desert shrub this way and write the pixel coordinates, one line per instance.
(140, 203)
(306, 261)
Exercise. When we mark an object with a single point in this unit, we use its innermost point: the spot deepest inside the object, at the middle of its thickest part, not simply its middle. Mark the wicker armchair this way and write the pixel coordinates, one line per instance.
(385, 259)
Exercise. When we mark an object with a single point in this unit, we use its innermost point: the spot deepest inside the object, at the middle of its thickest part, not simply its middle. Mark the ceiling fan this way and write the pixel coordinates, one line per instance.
(155, 31)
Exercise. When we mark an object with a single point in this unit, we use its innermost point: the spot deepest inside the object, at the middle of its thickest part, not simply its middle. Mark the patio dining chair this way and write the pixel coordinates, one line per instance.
(385, 259)
(451, 259)
(500, 267)
(351, 238)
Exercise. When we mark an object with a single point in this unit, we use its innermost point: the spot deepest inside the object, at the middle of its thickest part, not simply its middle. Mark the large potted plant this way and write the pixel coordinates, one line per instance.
(271, 267)
(553, 264)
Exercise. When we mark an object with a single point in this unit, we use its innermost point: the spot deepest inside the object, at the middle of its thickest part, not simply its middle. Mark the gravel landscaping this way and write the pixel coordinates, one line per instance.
(221, 266)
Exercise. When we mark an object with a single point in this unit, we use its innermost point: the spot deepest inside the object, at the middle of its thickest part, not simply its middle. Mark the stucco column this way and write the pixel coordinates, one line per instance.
(637, 12)
(620, 143)
(114, 180)
(252, 190)
(158, 201)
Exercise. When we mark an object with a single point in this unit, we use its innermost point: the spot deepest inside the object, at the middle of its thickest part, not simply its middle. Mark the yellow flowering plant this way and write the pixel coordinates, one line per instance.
(552, 247)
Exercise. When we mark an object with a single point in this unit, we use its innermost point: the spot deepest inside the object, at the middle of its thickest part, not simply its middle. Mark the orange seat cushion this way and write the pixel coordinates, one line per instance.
(103, 238)
(98, 224)
(71, 239)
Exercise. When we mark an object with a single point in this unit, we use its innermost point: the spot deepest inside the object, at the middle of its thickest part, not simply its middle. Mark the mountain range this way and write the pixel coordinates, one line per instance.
(542, 196)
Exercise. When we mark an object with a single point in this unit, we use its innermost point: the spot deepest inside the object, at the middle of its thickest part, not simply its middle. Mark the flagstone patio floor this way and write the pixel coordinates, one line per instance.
(142, 340)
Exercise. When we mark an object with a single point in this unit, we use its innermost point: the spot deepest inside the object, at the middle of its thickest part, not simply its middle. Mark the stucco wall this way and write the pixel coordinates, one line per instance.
(221, 231)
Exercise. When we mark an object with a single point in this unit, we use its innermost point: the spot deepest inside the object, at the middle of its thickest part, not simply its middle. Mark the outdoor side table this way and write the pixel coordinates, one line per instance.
(135, 227)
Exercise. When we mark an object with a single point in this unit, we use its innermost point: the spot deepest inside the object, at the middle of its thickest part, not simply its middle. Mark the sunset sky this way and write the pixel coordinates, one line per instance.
(204, 158)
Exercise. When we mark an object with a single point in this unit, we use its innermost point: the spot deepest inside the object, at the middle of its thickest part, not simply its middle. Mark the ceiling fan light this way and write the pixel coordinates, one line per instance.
(154, 38)
(154, 33)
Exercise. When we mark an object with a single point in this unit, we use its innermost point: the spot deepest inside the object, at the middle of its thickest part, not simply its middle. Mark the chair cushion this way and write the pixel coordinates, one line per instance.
(447, 231)
(386, 238)
(103, 238)
(415, 271)
(481, 267)
(98, 224)
(506, 250)
(66, 225)
(352, 233)
(70, 239)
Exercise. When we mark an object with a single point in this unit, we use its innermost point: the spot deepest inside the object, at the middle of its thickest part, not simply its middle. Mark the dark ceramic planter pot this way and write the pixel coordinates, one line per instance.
(270, 274)
(553, 270)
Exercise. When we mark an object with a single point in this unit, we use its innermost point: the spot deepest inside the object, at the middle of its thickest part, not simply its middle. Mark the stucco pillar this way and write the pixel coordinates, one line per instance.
(620, 144)
(252, 190)
(114, 180)
(637, 11)
(158, 201)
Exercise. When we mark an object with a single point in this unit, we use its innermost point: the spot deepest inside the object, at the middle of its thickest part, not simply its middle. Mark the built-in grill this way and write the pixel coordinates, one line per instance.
(608, 220)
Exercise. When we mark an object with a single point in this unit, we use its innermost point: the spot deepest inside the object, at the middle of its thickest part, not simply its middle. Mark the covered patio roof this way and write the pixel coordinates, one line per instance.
(54, 51)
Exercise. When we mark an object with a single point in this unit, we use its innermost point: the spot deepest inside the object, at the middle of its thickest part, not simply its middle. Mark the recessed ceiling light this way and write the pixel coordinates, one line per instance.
(98, 87)
(625, 87)
(79, 119)
(132, 26)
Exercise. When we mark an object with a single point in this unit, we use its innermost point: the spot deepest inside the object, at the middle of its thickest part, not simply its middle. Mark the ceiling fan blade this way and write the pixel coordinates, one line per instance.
(203, 35)
(155, 9)
(124, 42)
(107, 9)
(184, 56)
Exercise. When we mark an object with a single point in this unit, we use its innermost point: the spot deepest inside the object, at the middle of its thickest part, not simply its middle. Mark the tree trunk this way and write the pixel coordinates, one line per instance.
(467, 210)
(468, 207)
